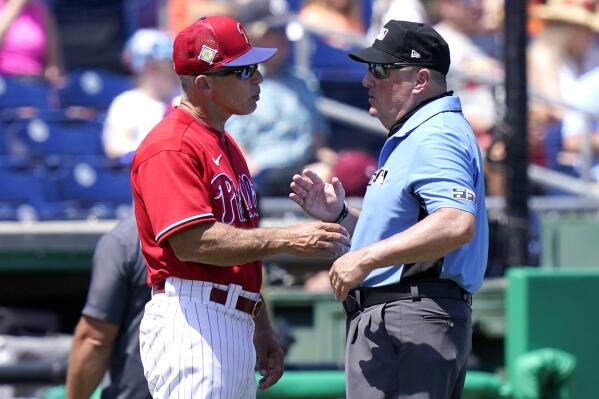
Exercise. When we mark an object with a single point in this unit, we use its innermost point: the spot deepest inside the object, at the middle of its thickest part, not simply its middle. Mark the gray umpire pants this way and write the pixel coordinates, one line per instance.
(414, 349)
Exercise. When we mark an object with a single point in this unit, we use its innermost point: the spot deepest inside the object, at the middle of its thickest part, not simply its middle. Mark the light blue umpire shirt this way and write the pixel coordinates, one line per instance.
(433, 161)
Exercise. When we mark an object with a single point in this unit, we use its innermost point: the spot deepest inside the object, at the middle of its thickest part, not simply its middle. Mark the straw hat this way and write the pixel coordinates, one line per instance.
(579, 12)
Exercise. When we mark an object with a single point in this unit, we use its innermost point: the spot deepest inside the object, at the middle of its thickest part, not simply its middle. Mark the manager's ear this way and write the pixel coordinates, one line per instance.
(202, 83)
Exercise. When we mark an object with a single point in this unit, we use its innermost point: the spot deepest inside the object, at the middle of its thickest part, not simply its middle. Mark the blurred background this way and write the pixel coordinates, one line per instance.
(83, 81)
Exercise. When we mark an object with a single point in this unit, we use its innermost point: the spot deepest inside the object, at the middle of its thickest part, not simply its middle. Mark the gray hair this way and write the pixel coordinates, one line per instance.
(439, 78)
(187, 81)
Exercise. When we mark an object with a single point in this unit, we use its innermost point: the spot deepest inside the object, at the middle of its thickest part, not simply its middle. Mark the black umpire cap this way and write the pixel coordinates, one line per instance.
(407, 43)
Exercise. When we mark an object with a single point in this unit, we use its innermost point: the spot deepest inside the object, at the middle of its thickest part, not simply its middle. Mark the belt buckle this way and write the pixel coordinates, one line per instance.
(467, 297)
(256, 308)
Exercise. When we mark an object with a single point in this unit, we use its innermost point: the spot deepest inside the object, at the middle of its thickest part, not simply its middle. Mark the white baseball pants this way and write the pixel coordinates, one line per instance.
(194, 348)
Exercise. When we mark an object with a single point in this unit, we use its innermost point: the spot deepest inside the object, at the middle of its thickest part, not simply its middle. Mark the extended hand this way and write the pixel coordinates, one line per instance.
(317, 198)
(317, 239)
(269, 359)
(346, 273)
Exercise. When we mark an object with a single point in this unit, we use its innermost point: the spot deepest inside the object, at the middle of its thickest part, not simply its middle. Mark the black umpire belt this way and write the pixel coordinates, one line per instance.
(361, 298)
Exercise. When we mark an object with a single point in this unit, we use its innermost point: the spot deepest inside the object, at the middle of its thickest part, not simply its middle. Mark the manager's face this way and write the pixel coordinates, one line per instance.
(236, 89)
(390, 91)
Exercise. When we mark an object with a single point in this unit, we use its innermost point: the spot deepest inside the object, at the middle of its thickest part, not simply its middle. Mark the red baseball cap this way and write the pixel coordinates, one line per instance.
(354, 168)
(214, 42)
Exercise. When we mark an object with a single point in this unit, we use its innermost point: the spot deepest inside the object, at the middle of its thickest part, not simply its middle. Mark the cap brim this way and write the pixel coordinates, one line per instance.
(256, 55)
(373, 55)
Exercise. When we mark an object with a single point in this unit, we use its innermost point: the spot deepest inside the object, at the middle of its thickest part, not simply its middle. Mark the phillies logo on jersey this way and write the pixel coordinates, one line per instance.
(234, 203)
(248, 194)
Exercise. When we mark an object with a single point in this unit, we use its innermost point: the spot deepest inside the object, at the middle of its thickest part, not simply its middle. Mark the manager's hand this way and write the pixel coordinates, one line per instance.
(317, 239)
(269, 359)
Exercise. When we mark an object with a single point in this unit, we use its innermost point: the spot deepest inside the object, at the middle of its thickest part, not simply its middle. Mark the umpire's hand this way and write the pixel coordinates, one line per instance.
(347, 272)
(319, 199)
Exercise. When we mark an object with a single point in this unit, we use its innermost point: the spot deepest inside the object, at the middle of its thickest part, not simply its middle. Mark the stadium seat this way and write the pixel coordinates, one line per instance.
(53, 136)
(93, 88)
(18, 92)
(3, 146)
(23, 194)
(101, 191)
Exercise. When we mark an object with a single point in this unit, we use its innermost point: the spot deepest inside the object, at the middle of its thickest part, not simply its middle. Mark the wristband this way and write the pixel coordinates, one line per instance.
(343, 213)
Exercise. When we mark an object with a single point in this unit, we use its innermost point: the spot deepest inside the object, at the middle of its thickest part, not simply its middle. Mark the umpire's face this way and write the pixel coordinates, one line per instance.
(391, 91)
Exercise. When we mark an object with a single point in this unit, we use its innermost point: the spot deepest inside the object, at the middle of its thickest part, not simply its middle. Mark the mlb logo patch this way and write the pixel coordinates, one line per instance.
(463, 194)
(382, 34)
(207, 54)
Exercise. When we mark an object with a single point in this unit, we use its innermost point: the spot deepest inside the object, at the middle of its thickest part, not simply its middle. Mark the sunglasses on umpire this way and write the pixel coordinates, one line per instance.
(379, 71)
(245, 72)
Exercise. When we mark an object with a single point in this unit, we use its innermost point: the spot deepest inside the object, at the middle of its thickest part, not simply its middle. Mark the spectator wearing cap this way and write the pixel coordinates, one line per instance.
(354, 168)
(205, 330)
(286, 132)
(419, 243)
(133, 113)
(564, 50)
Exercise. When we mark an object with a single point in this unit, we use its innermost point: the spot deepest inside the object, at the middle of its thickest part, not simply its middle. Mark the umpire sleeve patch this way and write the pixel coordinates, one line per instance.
(462, 193)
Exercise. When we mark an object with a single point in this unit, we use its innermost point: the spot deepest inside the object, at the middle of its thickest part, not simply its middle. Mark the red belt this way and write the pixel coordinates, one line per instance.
(220, 296)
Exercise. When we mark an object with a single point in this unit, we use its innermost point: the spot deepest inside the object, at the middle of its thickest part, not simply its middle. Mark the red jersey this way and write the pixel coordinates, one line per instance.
(182, 174)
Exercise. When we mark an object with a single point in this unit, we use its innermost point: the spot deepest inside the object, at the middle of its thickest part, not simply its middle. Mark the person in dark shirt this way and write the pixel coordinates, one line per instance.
(107, 335)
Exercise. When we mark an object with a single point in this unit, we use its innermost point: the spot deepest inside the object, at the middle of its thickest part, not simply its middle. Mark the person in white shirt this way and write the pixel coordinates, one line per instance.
(135, 112)
(461, 21)
(584, 95)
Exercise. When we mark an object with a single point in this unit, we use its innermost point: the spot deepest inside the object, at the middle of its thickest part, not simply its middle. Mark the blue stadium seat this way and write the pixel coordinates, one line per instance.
(93, 88)
(104, 192)
(52, 135)
(18, 92)
(332, 64)
(3, 146)
(23, 194)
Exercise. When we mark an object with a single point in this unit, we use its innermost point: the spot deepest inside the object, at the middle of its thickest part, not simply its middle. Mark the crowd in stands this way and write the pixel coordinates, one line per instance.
(82, 83)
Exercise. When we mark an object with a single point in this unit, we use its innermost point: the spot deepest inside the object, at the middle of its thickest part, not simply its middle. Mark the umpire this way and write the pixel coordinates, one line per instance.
(419, 244)
(107, 335)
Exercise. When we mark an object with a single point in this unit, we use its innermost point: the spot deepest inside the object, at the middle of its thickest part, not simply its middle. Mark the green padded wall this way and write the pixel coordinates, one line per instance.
(570, 241)
(558, 309)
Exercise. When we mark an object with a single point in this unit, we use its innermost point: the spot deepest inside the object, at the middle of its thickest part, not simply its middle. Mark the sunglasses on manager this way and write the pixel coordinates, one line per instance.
(243, 72)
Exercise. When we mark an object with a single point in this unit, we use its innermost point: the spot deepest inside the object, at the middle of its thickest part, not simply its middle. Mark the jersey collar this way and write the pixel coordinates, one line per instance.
(424, 111)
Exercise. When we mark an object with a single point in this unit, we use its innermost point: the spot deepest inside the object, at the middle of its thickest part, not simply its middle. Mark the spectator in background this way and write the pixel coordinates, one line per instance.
(92, 33)
(135, 112)
(584, 95)
(181, 13)
(337, 16)
(563, 50)
(28, 40)
(460, 23)
(286, 131)
(107, 335)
